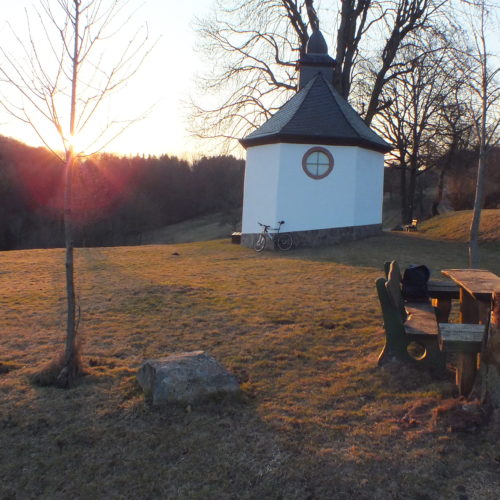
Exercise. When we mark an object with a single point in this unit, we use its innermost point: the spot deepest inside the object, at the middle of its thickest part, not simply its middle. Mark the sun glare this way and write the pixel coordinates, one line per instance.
(76, 142)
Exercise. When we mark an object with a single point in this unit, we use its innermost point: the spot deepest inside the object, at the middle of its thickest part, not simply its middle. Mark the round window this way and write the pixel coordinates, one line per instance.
(317, 163)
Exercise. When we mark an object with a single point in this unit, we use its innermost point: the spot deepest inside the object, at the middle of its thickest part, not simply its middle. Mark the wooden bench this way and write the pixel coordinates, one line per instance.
(406, 324)
(411, 227)
(236, 238)
(418, 322)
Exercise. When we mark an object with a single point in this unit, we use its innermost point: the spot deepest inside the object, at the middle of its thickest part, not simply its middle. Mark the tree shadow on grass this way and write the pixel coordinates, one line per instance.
(406, 248)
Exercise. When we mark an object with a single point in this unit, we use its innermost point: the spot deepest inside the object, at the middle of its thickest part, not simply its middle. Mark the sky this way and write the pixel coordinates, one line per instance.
(163, 85)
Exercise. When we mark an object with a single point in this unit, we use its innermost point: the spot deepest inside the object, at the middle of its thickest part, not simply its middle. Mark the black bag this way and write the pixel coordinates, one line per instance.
(414, 282)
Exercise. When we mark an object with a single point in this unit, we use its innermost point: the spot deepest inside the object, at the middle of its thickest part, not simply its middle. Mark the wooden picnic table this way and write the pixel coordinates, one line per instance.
(476, 290)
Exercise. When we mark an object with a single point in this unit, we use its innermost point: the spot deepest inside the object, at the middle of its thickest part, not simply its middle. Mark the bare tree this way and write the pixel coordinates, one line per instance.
(484, 105)
(403, 18)
(454, 129)
(254, 46)
(412, 119)
(64, 84)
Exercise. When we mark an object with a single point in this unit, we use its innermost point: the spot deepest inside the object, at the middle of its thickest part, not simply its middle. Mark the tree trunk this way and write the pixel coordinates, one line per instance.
(404, 201)
(421, 198)
(478, 200)
(490, 359)
(478, 204)
(439, 194)
(352, 21)
(411, 194)
(70, 359)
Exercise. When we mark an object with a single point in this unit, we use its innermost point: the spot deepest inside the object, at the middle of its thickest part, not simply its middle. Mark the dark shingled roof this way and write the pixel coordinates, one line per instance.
(317, 114)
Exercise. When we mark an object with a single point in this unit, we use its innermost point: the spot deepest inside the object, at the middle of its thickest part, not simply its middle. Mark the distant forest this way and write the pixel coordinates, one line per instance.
(116, 199)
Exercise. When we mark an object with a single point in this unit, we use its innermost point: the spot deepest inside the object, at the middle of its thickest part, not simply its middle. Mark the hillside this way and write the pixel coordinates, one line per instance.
(301, 330)
(455, 226)
(208, 227)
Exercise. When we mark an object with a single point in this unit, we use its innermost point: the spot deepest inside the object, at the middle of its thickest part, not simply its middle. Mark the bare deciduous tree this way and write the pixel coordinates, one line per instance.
(403, 18)
(485, 109)
(412, 119)
(254, 46)
(454, 129)
(58, 81)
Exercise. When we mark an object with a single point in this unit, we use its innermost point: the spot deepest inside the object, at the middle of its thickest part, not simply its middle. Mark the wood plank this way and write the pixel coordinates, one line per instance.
(460, 332)
(462, 338)
(393, 287)
(480, 283)
(421, 319)
(443, 289)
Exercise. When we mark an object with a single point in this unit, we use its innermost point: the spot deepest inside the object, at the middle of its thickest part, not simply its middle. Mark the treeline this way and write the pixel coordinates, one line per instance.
(116, 199)
(452, 183)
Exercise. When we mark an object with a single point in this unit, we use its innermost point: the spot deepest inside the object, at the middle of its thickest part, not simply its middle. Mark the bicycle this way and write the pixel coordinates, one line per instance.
(279, 240)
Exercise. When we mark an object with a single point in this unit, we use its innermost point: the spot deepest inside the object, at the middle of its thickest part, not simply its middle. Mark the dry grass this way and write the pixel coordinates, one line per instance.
(455, 226)
(208, 227)
(318, 419)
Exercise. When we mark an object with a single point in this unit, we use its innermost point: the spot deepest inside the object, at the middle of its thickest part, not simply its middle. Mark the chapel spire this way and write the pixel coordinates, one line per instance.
(315, 60)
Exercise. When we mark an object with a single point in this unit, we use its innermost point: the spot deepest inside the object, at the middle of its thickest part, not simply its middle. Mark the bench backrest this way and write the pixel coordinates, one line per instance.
(395, 269)
(393, 287)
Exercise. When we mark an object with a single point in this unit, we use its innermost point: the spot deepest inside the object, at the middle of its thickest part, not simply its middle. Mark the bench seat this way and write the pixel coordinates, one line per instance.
(421, 319)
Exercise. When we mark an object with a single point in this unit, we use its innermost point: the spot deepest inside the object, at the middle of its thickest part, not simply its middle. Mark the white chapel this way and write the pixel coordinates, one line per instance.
(314, 163)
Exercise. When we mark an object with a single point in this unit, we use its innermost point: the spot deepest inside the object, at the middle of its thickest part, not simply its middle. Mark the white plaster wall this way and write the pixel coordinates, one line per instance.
(305, 203)
(369, 187)
(260, 187)
(277, 188)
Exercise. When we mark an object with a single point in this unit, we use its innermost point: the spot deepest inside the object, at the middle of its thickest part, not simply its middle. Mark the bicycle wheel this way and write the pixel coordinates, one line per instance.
(260, 244)
(285, 241)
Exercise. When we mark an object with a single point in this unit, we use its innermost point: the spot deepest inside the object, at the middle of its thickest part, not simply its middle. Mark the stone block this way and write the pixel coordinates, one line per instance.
(185, 378)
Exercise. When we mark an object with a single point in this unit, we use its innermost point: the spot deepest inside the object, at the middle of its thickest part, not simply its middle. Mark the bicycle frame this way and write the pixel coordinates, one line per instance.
(275, 230)
(278, 241)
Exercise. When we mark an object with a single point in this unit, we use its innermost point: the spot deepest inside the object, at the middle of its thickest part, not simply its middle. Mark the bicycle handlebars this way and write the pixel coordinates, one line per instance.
(280, 222)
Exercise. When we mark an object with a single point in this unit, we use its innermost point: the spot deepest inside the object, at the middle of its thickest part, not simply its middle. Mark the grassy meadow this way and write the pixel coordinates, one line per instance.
(301, 330)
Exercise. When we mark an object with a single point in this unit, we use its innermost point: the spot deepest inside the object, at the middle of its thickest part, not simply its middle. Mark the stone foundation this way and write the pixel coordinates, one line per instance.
(321, 237)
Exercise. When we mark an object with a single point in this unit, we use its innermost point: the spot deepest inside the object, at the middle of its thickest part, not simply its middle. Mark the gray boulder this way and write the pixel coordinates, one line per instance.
(185, 378)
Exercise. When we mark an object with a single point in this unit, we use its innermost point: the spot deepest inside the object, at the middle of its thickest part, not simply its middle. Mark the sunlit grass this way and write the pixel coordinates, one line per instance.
(456, 226)
(301, 331)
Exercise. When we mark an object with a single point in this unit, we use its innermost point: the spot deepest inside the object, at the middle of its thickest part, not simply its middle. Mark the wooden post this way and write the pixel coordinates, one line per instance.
(491, 357)
(467, 361)
(443, 307)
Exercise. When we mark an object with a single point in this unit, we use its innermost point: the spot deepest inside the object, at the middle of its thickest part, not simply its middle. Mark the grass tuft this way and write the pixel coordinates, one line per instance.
(59, 372)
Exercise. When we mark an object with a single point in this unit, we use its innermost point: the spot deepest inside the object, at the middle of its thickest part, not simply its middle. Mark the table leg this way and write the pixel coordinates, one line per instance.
(466, 372)
(467, 362)
(484, 310)
(443, 307)
(468, 308)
